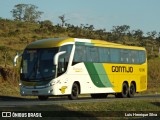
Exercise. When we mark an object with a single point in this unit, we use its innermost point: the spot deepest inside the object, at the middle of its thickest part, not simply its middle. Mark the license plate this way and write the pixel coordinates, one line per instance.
(35, 92)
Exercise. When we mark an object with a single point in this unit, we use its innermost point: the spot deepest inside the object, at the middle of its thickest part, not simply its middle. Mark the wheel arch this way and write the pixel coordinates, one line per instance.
(125, 82)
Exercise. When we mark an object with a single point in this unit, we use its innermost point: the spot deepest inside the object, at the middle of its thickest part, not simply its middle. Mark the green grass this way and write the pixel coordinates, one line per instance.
(127, 105)
(9, 89)
(96, 110)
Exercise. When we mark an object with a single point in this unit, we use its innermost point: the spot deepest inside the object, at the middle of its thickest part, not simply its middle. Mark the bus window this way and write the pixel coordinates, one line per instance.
(115, 55)
(125, 57)
(104, 54)
(141, 56)
(64, 59)
(134, 57)
(66, 48)
(80, 54)
(92, 54)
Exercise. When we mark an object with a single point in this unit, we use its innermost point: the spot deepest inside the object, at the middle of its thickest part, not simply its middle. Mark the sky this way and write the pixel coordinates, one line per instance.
(103, 14)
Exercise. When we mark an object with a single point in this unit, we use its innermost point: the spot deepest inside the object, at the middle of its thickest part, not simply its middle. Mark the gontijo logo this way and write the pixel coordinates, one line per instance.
(122, 69)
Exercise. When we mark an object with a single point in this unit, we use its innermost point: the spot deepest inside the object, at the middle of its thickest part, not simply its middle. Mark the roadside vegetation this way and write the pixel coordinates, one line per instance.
(16, 34)
(95, 110)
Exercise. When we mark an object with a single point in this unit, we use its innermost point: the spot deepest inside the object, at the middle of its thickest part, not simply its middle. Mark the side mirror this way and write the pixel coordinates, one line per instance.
(15, 59)
(57, 57)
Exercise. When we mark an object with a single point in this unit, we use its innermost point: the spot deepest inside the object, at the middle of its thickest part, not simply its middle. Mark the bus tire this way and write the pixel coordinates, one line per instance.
(74, 92)
(125, 90)
(101, 95)
(132, 90)
(43, 98)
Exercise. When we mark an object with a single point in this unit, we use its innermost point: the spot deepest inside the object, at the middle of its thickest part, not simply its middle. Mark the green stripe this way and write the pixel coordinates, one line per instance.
(98, 74)
(102, 74)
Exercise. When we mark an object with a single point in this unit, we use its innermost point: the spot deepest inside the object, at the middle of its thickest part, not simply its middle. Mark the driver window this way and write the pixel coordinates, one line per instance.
(64, 59)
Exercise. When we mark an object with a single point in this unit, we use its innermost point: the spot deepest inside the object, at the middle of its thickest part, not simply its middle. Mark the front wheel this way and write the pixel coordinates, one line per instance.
(43, 98)
(74, 92)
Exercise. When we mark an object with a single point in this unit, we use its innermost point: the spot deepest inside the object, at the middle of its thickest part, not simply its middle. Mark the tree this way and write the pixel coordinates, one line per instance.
(46, 23)
(26, 12)
(158, 37)
(63, 20)
(152, 34)
(45, 26)
(121, 29)
(137, 34)
(119, 32)
(31, 13)
(18, 11)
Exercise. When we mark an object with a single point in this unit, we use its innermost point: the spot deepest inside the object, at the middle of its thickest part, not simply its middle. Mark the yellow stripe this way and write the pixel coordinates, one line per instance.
(101, 43)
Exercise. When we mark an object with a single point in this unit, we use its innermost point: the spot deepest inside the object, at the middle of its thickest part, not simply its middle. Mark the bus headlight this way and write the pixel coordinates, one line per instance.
(50, 91)
(51, 84)
(20, 83)
(22, 92)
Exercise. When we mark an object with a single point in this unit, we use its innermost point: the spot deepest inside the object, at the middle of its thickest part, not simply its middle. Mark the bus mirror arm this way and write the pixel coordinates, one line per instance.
(15, 59)
(57, 57)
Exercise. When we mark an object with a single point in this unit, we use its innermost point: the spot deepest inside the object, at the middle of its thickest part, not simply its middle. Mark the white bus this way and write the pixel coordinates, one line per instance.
(72, 66)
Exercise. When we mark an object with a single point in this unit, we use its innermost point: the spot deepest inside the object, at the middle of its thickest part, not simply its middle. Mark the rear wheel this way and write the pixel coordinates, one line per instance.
(132, 90)
(124, 92)
(74, 92)
(43, 98)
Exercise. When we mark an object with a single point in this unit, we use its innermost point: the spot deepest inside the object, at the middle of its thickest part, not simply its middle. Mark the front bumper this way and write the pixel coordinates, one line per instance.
(36, 91)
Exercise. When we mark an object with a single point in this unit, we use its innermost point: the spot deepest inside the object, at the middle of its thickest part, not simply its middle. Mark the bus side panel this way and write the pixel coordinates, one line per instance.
(104, 77)
(92, 78)
(128, 73)
(79, 73)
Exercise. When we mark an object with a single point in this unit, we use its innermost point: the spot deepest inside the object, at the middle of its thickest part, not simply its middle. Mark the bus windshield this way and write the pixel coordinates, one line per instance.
(37, 64)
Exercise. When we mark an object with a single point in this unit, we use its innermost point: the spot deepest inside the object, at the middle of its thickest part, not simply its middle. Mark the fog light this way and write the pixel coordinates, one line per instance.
(22, 92)
(50, 91)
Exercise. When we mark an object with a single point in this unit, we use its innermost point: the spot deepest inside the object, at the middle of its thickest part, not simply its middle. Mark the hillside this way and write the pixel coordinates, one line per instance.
(16, 35)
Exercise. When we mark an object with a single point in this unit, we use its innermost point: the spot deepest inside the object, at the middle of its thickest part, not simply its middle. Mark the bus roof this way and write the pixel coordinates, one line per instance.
(50, 42)
(57, 42)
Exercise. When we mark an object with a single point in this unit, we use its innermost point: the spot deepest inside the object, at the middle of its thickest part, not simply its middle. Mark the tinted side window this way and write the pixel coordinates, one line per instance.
(92, 54)
(104, 54)
(68, 49)
(110, 55)
(80, 54)
(134, 57)
(142, 56)
(125, 56)
(115, 55)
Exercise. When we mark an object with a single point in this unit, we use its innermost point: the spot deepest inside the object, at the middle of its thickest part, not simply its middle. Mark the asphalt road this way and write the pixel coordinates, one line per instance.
(8, 101)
